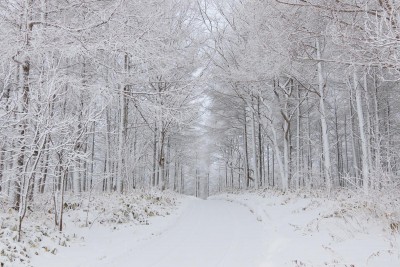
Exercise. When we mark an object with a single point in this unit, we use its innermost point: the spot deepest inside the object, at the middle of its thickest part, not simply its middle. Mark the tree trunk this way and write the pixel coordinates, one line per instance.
(155, 156)
(325, 137)
(254, 150)
(365, 165)
(260, 146)
(298, 145)
(377, 134)
(246, 155)
(353, 141)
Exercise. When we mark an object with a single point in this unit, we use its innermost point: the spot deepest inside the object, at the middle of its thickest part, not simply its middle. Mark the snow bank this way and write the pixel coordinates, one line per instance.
(81, 214)
(308, 230)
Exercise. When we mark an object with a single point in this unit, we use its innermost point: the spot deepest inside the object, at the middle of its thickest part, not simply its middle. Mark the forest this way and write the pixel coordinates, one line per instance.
(197, 97)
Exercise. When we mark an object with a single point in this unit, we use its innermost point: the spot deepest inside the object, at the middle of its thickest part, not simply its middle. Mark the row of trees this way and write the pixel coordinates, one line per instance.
(96, 95)
(315, 86)
(110, 96)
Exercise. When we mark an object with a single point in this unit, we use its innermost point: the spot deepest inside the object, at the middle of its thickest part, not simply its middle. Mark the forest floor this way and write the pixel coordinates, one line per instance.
(306, 229)
(242, 229)
(106, 219)
(201, 234)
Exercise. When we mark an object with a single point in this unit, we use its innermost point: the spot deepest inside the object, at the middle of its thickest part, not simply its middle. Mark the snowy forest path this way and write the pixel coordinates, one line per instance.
(204, 233)
(207, 234)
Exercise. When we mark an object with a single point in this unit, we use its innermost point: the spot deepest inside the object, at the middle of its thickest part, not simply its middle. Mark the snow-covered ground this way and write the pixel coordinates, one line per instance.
(106, 220)
(303, 230)
(200, 234)
(246, 229)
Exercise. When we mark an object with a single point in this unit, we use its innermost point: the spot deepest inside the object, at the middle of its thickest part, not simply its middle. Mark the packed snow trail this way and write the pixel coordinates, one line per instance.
(211, 233)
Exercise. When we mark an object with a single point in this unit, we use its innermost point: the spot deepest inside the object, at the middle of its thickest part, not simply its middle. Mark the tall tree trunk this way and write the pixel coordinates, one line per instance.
(360, 116)
(63, 177)
(353, 140)
(369, 127)
(309, 150)
(254, 150)
(388, 137)
(161, 161)
(107, 160)
(155, 155)
(338, 146)
(377, 134)
(286, 150)
(246, 155)
(298, 145)
(346, 153)
(92, 156)
(118, 182)
(325, 136)
(260, 146)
